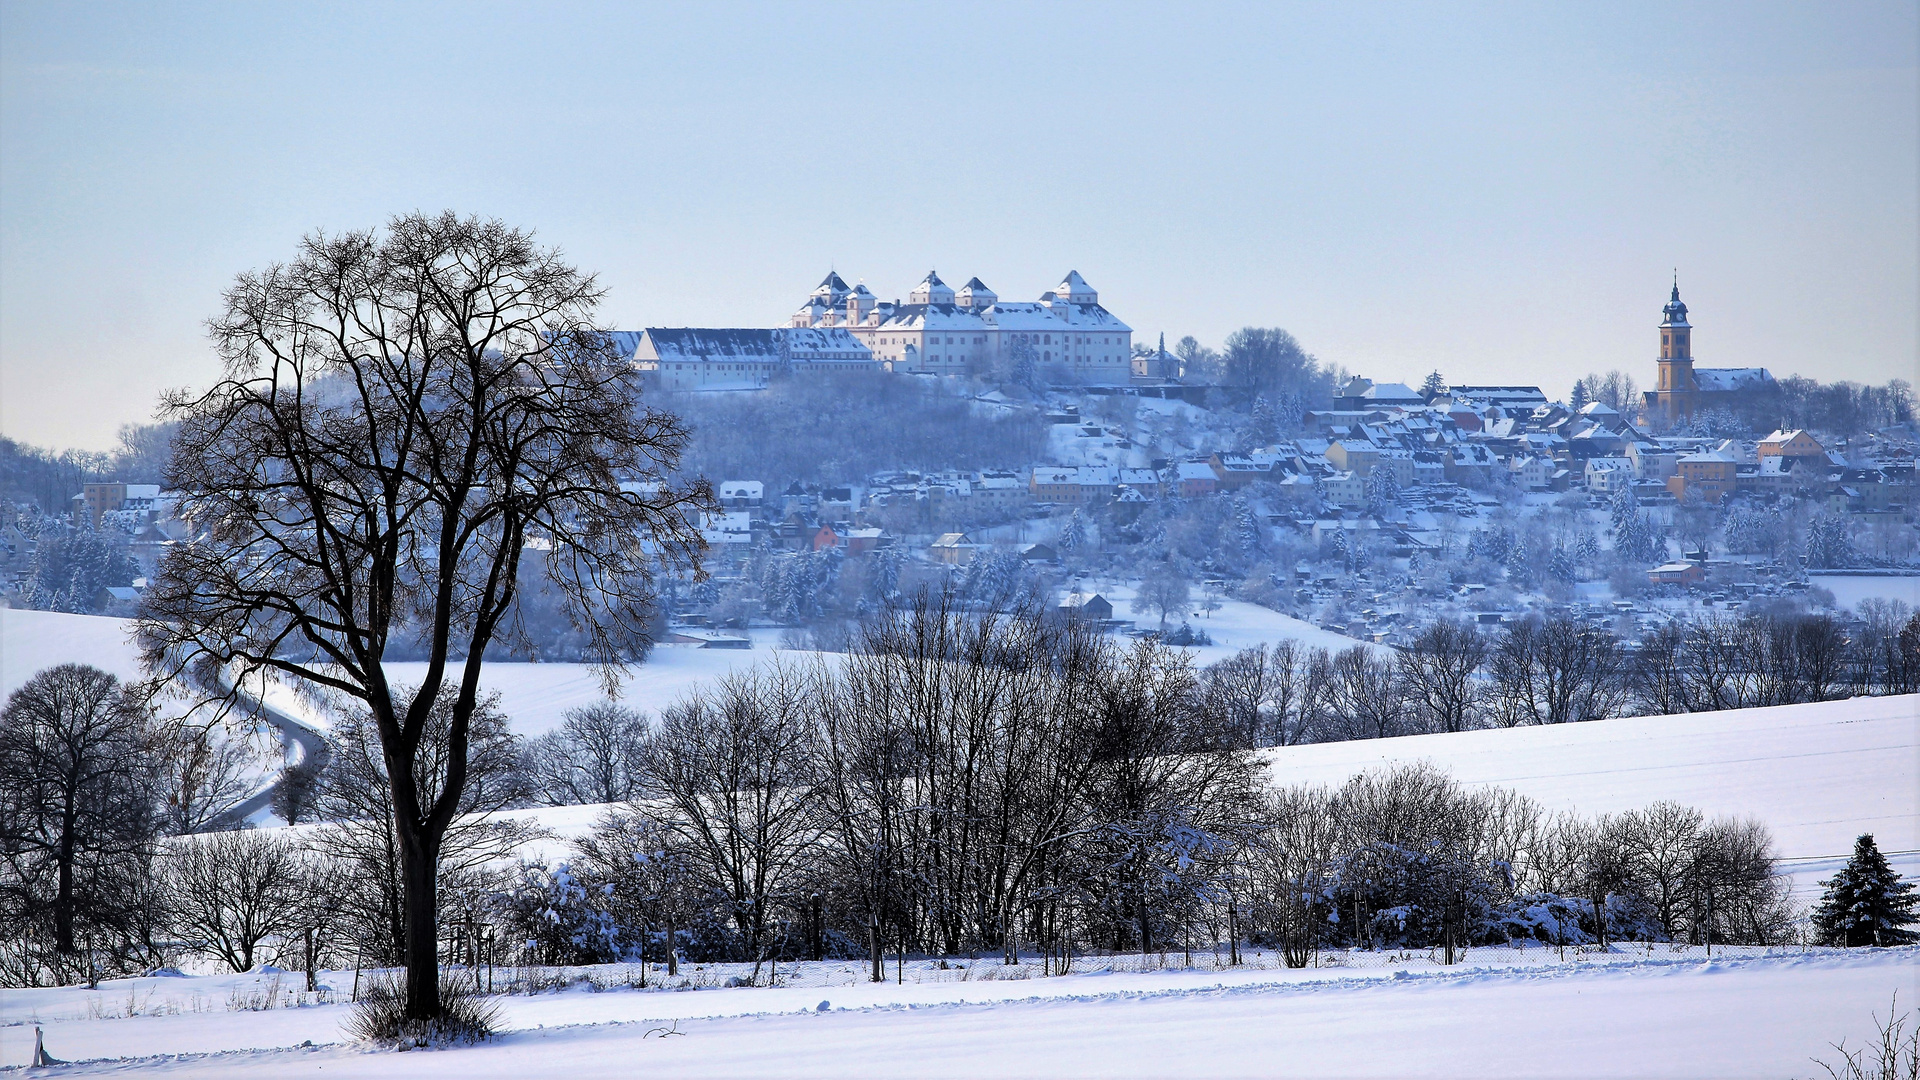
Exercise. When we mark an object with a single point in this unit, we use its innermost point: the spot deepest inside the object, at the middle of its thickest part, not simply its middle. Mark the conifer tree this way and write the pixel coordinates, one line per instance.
(1866, 903)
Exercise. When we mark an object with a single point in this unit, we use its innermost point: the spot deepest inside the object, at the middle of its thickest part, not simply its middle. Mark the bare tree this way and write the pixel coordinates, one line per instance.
(1164, 591)
(593, 757)
(1366, 694)
(355, 799)
(205, 774)
(1254, 691)
(1292, 859)
(405, 416)
(78, 813)
(1438, 668)
(1556, 672)
(730, 769)
(235, 890)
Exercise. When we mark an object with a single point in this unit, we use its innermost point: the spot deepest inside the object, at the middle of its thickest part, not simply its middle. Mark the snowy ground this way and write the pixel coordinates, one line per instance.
(1849, 589)
(1674, 1013)
(32, 640)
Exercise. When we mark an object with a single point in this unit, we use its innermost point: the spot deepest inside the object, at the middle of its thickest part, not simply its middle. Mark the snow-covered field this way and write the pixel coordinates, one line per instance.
(32, 640)
(1674, 1014)
(1849, 589)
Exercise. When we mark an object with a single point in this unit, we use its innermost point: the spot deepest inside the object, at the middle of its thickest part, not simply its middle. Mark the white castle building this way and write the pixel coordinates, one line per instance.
(1066, 334)
(943, 331)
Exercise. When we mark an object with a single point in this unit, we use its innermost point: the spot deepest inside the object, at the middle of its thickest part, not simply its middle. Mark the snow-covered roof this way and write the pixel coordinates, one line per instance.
(800, 344)
(1725, 379)
(1074, 289)
(1391, 391)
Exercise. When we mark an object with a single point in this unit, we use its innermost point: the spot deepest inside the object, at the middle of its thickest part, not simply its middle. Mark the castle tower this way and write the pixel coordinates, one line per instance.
(931, 290)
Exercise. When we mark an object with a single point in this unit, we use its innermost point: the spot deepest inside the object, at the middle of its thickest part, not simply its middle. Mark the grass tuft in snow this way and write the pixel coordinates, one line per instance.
(379, 1017)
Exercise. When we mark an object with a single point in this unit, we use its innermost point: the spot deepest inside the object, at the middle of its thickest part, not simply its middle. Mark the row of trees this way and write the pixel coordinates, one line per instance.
(1452, 676)
(962, 782)
(49, 480)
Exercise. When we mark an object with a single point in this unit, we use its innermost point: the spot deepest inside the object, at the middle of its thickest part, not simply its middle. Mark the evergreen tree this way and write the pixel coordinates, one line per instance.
(1586, 551)
(1518, 570)
(1264, 425)
(1579, 396)
(1828, 544)
(1866, 903)
(1561, 565)
(1073, 536)
(1383, 490)
(1433, 386)
(1246, 529)
(1338, 549)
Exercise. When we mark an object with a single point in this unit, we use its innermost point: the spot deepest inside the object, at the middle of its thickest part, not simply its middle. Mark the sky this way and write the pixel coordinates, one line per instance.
(1501, 193)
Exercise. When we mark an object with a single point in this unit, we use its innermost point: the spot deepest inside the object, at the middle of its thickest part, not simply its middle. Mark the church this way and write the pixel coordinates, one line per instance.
(1680, 389)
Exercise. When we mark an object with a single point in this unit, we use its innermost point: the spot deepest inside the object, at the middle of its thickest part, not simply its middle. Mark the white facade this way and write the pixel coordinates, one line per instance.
(941, 330)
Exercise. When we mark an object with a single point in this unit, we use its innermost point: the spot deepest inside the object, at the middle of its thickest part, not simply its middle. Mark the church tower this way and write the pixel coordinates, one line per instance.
(1676, 386)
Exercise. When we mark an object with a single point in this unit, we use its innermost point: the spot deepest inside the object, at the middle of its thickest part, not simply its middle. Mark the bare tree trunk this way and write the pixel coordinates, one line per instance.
(419, 859)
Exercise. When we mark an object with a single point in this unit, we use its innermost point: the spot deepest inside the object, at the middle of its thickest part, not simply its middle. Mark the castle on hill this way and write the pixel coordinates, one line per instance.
(942, 330)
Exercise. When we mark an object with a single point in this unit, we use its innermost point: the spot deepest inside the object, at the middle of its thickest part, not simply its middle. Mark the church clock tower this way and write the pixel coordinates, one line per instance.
(1676, 387)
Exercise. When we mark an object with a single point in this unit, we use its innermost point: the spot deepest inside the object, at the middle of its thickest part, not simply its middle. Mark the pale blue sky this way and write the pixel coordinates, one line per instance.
(1499, 192)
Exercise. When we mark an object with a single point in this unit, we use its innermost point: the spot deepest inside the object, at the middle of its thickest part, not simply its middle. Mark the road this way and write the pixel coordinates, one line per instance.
(313, 751)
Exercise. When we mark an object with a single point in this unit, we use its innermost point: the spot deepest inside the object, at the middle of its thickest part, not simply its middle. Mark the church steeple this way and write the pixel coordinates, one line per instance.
(1676, 349)
(1675, 331)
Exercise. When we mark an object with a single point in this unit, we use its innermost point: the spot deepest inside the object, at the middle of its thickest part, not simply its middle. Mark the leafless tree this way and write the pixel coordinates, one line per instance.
(1257, 691)
(1366, 694)
(1556, 672)
(1662, 842)
(355, 800)
(405, 416)
(593, 757)
(1656, 675)
(729, 768)
(1292, 859)
(205, 774)
(235, 890)
(1438, 668)
(1164, 591)
(78, 813)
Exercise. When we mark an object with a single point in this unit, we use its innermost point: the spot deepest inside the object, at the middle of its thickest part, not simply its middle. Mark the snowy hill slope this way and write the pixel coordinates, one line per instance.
(32, 640)
(1818, 774)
